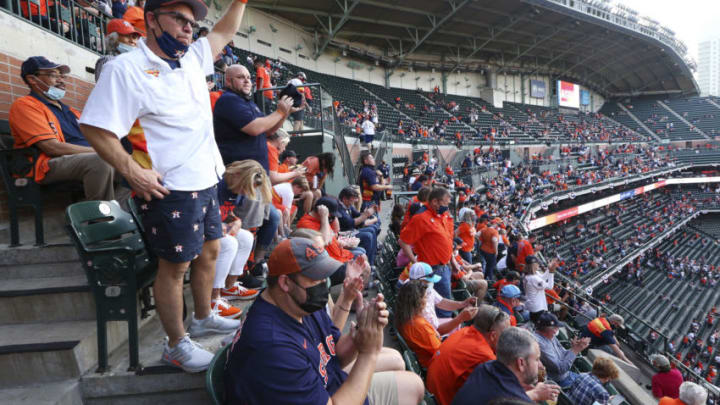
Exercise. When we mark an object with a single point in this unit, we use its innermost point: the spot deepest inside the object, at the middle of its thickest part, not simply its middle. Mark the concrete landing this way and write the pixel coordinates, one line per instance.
(60, 393)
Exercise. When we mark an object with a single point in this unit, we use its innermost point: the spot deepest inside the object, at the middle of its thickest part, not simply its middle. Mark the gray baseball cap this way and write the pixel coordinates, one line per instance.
(301, 255)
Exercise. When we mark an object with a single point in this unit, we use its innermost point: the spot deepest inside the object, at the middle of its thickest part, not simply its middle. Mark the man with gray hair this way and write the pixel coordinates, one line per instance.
(690, 394)
(666, 383)
(460, 353)
(556, 359)
(514, 375)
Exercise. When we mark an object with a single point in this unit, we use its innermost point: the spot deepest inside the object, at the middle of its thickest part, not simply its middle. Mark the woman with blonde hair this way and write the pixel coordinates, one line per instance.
(245, 194)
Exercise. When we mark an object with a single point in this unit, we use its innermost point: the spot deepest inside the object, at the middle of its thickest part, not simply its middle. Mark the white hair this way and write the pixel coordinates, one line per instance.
(661, 362)
(514, 343)
(111, 42)
(615, 318)
(693, 394)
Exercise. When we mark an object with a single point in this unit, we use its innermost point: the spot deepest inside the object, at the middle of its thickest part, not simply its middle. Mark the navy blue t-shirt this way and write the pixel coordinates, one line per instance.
(278, 360)
(489, 381)
(232, 113)
(347, 217)
(68, 122)
(368, 178)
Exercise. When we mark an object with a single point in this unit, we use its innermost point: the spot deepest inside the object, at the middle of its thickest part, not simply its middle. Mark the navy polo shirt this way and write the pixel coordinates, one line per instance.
(232, 113)
(347, 217)
(489, 381)
(68, 121)
(278, 360)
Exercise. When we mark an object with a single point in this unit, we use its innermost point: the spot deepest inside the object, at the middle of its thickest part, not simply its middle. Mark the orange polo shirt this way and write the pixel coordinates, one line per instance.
(525, 249)
(457, 357)
(431, 236)
(334, 249)
(422, 338)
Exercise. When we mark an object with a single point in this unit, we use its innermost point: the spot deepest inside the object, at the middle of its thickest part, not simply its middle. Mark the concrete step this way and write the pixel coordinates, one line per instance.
(51, 351)
(59, 393)
(24, 255)
(42, 270)
(49, 299)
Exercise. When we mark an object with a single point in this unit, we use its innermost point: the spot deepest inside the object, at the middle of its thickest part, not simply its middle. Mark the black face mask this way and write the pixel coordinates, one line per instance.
(316, 297)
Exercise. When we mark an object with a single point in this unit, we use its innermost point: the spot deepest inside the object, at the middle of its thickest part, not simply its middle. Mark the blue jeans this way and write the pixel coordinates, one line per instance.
(443, 288)
(490, 264)
(368, 241)
(467, 256)
(267, 230)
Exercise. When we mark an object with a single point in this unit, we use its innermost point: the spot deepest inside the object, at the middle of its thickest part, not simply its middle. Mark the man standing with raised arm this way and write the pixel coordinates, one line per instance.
(162, 85)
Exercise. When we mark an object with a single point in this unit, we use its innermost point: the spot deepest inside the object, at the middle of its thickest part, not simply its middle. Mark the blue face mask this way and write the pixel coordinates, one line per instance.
(54, 93)
(443, 209)
(170, 45)
(122, 48)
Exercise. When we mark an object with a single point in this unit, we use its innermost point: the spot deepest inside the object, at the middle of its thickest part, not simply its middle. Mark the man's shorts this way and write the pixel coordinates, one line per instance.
(298, 115)
(177, 226)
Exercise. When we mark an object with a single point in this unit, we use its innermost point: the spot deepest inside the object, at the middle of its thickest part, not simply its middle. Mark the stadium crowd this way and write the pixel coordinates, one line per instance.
(219, 192)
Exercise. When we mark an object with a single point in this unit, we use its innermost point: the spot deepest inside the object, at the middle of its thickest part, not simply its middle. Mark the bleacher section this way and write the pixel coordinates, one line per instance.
(661, 121)
(699, 112)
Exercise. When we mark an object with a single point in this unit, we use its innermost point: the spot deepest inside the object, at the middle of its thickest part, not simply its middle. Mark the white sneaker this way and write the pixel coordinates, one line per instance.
(187, 355)
(212, 325)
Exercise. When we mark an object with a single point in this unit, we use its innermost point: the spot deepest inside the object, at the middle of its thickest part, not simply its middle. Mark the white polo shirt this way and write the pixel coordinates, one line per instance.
(173, 108)
(368, 127)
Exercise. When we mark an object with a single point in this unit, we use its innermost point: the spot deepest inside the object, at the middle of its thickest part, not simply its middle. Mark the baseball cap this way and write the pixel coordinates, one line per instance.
(302, 75)
(198, 7)
(458, 241)
(35, 63)
(512, 291)
(423, 271)
(484, 217)
(548, 319)
(531, 259)
(121, 27)
(332, 205)
(291, 91)
(301, 255)
(287, 153)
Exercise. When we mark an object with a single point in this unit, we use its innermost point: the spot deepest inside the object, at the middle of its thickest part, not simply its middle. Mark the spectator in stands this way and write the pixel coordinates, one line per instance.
(419, 334)
(301, 361)
(298, 116)
(513, 375)
(489, 240)
(241, 129)
(179, 188)
(135, 15)
(120, 37)
(601, 334)
(464, 350)
(430, 235)
(288, 159)
(556, 359)
(535, 283)
(690, 394)
(364, 224)
(118, 8)
(466, 232)
(262, 81)
(318, 168)
(42, 121)
(587, 389)
(509, 300)
(368, 131)
(666, 382)
(371, 188)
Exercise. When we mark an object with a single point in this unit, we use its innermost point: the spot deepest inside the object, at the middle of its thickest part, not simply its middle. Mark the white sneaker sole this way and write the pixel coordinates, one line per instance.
(240, 297)
(207, 332)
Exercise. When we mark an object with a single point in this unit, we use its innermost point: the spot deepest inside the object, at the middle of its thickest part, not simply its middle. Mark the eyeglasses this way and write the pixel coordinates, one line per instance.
(53, 75)
(180, 19)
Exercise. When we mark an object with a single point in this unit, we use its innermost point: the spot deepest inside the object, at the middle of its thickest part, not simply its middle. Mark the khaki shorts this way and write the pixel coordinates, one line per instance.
(383, 389)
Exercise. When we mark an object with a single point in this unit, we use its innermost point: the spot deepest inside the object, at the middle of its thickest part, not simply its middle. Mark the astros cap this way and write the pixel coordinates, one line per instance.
(300, 255)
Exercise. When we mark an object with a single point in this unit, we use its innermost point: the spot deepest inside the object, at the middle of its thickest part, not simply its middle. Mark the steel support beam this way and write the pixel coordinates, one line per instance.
(347, 10)
(565, 52)
(538, 41)
(493, 34)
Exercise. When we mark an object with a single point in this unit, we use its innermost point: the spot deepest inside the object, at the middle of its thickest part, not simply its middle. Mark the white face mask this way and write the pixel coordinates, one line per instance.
(54, 93)
(122, 48)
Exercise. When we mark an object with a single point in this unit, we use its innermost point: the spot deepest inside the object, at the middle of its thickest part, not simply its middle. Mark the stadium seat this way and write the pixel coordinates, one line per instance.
(117, 266)
(214, 377)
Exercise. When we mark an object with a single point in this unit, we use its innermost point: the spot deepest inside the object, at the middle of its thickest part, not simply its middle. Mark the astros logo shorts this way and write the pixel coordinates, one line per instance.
(177, 226)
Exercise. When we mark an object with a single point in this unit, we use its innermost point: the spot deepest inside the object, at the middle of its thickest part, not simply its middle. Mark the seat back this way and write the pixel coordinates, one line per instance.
(214, 377)
(107, 239)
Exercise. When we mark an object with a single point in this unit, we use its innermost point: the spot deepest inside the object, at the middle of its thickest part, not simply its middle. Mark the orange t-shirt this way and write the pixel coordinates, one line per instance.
(263, 82)
(33, 8)
(431, 236)
(422, 338)
(551, 296)
(464, 231)
(406, 218)
(273, 158)
(525, 249)
(458, 356)
(31, 121)
(486, 236)
(334, 249)
(283, 168)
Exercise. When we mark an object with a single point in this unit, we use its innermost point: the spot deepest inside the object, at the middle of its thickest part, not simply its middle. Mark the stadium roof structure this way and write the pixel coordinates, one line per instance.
(603, 46)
